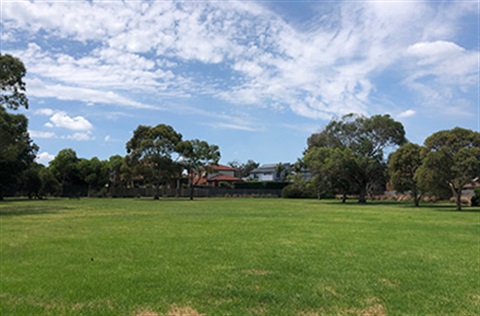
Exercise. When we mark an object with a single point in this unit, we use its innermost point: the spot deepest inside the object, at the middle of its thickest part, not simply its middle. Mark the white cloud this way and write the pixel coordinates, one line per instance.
(107, 138)
(133, 48)
(44, 158)
(81, 136)
(78, 123)
(44, 111)
(40, 134)
(407, 113)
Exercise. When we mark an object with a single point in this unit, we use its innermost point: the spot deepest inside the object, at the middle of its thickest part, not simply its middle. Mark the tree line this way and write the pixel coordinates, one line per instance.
(347, 157)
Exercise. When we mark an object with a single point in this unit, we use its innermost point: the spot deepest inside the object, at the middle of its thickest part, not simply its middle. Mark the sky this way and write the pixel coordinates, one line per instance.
(256, 78)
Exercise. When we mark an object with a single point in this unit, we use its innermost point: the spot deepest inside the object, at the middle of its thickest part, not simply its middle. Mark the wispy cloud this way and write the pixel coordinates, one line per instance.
(168, 50)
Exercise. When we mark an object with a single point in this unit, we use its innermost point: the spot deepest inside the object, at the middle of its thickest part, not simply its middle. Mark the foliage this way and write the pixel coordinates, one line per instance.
(334, 169)
(94, 173)
(31, 180)
(264, 185)
(151, 151)
(197, 155)
(452, 160)
(245, 168)
(17, 151)
(403, 164)
(12, 87)
(359, 142)
(64, 168)
(298, 188)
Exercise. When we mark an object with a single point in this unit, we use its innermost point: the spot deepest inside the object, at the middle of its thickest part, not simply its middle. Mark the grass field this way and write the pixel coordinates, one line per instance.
(236, 257)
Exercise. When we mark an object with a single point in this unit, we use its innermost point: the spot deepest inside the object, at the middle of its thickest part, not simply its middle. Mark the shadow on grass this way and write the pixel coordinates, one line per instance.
(21, 210)
(440, 207)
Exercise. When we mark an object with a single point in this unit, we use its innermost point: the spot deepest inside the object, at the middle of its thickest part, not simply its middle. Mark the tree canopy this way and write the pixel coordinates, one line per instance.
(196, 155)
(17, 151)
(151, 151)
(366, 139)
(12, 86)
(452, 160)
(403, 166)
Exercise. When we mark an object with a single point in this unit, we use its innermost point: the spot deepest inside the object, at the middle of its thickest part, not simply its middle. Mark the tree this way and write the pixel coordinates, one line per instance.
(92, 172)
(334, 169)
(12, 86)
(150, 150)
(31, 180)
(64, 168)
(50, 184)
(403, 165)
(17, 151)
(197, 155)
(367, 138)
(452, 160)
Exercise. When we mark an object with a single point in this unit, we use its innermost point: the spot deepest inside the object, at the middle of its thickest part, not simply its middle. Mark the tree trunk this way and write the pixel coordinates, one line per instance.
(457, 193)
(458, 200)
(362, 197)
(416, 197)
(344, 197)
(191, 192)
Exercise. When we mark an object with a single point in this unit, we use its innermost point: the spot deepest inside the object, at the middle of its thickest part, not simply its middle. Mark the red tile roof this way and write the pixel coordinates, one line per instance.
(223, 177)
(223, 168)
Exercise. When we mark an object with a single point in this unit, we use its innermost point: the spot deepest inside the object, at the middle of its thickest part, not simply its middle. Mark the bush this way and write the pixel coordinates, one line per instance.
(292, 192)
(300, 190)
(474, 201)
(266, 185)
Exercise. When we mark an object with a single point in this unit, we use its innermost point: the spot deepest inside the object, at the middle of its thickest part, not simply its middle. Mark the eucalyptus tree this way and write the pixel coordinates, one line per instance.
(197, 155)
(403, 165)
(366, 138)
(12, 86)
(151, 152)
(17, 151)
(452, 160)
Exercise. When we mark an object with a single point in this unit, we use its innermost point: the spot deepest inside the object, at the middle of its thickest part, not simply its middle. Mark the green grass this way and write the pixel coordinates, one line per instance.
(236, 257)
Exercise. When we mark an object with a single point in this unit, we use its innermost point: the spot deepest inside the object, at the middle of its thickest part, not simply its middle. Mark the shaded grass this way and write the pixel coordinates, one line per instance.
(237, 257)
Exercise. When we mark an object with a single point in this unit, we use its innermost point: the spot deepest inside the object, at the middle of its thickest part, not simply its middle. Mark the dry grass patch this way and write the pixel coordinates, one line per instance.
(182, 311)
(375, 309)
(258, 272)
(146, 312)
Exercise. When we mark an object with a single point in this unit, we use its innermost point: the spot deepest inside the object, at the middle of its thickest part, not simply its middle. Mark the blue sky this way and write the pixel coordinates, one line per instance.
(254, 78)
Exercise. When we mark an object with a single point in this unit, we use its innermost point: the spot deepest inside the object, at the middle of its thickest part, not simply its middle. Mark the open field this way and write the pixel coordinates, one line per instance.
(236, 257)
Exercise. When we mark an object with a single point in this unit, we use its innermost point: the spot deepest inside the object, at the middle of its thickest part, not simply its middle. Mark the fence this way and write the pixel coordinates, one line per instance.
(198, 192)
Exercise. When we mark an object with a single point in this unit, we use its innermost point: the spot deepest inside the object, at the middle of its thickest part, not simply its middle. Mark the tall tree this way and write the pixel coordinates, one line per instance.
(93, 173)
(452, 160)
(31, 180)
(367, 138)
(403, 165)
(17, 151)
(64, 167)
(334, 169)
(12, 86)
(197, 155)
(151, 150)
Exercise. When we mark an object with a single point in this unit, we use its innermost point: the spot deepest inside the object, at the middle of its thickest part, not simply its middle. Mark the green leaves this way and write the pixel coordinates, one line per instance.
(12, 86)
(348, 154)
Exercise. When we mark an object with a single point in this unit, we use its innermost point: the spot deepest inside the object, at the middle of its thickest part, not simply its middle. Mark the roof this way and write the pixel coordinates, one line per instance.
(270, 167)
(224, 177)
(223, 168)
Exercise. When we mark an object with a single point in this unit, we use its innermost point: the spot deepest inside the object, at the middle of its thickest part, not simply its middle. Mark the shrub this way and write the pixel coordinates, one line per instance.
(292, 192)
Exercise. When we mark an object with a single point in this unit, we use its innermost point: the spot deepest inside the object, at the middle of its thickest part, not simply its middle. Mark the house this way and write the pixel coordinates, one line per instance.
(270, 172)
(215, 174)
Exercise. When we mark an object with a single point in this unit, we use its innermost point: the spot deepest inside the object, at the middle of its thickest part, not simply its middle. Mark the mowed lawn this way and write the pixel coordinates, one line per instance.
(237, 257)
